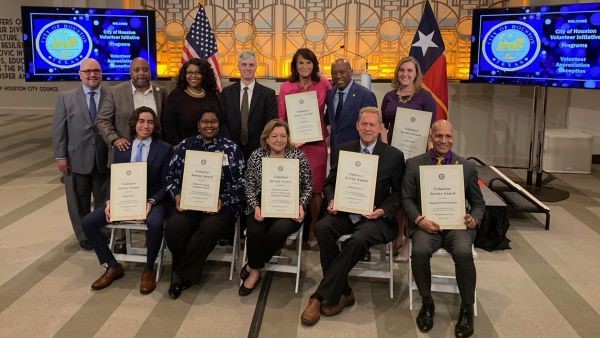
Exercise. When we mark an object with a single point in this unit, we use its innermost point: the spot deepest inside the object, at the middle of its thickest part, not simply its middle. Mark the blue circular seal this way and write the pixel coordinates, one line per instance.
(63, 44)
(511, 46)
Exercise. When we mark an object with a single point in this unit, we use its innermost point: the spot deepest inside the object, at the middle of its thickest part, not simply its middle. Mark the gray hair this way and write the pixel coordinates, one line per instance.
(370, 110)
(247, 54)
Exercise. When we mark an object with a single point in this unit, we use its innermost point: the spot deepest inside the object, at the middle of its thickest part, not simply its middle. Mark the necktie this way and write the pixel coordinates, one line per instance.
(356, 217)
(244, 110)
(92, 107)
(366, 151)
(440, 160)
(138, 155)
(338, 109)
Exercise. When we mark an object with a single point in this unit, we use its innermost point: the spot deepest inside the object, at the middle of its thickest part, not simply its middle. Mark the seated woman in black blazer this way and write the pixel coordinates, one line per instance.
(267, 235)
(145, 147)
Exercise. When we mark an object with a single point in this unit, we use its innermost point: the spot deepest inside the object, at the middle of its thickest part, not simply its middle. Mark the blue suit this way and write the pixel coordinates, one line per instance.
(343, 128)
(158, 160)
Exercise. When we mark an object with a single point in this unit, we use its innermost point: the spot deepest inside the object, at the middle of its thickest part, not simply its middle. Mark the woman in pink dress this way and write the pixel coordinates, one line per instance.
(305, 78)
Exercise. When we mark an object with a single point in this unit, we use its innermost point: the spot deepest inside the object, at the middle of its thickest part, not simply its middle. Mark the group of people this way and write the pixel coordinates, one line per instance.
(94, 126)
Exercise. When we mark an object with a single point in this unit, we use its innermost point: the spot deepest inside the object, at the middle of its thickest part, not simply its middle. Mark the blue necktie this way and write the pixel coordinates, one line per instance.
(92, 107)
(138, 155)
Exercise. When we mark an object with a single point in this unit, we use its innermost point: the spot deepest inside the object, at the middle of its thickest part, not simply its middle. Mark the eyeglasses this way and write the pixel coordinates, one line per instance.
(91, 71)
(193, 73)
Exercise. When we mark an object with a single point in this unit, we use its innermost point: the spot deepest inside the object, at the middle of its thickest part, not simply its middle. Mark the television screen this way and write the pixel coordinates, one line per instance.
(56, 40)
(554, 46)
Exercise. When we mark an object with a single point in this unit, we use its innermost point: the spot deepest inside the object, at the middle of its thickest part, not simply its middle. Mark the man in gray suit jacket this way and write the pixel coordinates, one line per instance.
(427, 236)
(79, 150)
(113, 120)
(377, 227)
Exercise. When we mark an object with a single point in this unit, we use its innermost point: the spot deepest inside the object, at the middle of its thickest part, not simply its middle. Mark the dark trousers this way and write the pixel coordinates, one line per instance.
(92, 226)
(458, 243)
(84, 187)
(337, 264)
(191, 236)
(266, 237)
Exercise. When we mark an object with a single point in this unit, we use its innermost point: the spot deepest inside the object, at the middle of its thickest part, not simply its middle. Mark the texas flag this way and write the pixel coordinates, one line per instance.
(428, 48)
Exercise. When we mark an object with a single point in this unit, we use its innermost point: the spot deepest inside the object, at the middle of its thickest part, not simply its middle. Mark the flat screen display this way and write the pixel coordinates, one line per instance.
(57, 39)
(553, 46)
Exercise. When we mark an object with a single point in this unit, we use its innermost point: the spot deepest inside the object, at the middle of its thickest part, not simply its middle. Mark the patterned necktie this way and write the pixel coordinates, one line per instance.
(92, 107)
(366, 151)
(140, 150)
(440, 160)
(244, 110)
(338, 109)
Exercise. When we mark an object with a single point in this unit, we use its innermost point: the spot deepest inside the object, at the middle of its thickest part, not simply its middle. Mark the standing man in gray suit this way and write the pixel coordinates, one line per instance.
(80, 152)
(427, 237)
(113, 120)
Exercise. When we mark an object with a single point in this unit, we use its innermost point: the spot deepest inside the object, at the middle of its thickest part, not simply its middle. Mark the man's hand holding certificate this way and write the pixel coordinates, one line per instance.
(201, 181)
(303, 117)
(128, 191)
(443, 195)
(355, 183)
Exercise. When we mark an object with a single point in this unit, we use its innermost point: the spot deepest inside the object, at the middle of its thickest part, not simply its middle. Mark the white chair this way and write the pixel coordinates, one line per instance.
(381, 269)
(439, 283)
(285, 264)
(134, 253)
(225, 253)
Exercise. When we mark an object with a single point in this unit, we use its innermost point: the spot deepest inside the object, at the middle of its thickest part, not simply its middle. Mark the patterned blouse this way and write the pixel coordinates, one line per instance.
(254, 177)
(231, 190)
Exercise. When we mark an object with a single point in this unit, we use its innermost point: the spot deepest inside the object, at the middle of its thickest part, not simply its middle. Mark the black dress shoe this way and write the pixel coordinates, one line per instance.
(176, 288)
(244, 291)
(85, 245)
(244, 273)
(464, 327)
(120, 248)
(425, 317)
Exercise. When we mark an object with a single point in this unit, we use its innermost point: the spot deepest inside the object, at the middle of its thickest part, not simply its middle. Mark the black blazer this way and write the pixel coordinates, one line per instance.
(263, 108)
(411, 192)
(389, 178)
(159, 157)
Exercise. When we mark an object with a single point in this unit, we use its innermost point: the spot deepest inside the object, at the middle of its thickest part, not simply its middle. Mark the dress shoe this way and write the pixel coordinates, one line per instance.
(108, 277)
(148, 283)
(85, 245)
(330, 310)
(120, 248)
(244, 273)
(312, 313)
(177, 288)
(244, 291)
(425, 317)
(464, 327)
(367, 257)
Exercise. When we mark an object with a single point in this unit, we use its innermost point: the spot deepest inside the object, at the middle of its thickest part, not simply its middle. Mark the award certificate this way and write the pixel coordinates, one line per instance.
(201, 180)
(443, 195)
(411, 130)
(303, 117)
(355, 183)
(128, 191)
(280, 187)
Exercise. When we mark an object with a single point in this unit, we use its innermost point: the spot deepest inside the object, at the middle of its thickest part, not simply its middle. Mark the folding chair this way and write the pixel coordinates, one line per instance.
(225, 253)
(382, 269)
(439, 283)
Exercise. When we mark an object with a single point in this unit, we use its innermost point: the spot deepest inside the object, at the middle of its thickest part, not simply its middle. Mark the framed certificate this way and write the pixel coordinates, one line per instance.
(303, 117)
(355, 183)
(411, 130)
(280, 187)
(201, 180)
(443, 195)
(128, 191)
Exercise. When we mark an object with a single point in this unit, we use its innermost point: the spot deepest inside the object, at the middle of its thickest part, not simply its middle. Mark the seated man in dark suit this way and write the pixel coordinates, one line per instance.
(427, 236)
(377, 227)
(145, 147)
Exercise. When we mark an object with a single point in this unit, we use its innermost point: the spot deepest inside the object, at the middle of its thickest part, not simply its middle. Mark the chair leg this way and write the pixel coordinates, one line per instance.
(475, 304)
(410, 276)
(236, 239)
(299, 258)
(391, 267)
(245, 257)
(159, 259)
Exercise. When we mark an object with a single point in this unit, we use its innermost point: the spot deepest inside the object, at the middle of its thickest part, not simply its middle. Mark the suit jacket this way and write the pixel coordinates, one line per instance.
(159, 157)
(343, 128)
(75, 135)
(411, 192)
(263, 108)
(113, 120)
(389, 178)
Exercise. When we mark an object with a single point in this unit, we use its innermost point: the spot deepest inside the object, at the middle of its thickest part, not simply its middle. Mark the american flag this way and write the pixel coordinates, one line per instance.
(200, 42)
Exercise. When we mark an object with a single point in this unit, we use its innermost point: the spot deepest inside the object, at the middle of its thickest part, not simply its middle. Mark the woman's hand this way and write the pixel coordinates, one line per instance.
(107, 211)
(257, 214)
(300, 215)
(178, 203)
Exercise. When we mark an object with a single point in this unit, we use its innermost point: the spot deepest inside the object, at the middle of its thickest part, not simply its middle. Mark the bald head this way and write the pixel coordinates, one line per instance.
(90, 73)
(442, 136)
(341, 73)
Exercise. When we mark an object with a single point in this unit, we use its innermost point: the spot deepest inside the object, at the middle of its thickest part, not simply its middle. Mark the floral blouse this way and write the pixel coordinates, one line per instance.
(254, 177)
(231, 191)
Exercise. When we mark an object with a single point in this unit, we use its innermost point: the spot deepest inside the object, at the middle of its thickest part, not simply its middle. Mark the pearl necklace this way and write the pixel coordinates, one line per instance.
(193, 93)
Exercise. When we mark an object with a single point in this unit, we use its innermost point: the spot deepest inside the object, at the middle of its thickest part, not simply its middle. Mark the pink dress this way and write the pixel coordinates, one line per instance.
(316, 152)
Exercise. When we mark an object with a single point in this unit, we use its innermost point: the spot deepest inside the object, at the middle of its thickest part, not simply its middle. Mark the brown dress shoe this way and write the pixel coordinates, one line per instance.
(108, 277)
(312, 313)
(334, 309)
(148, 283)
